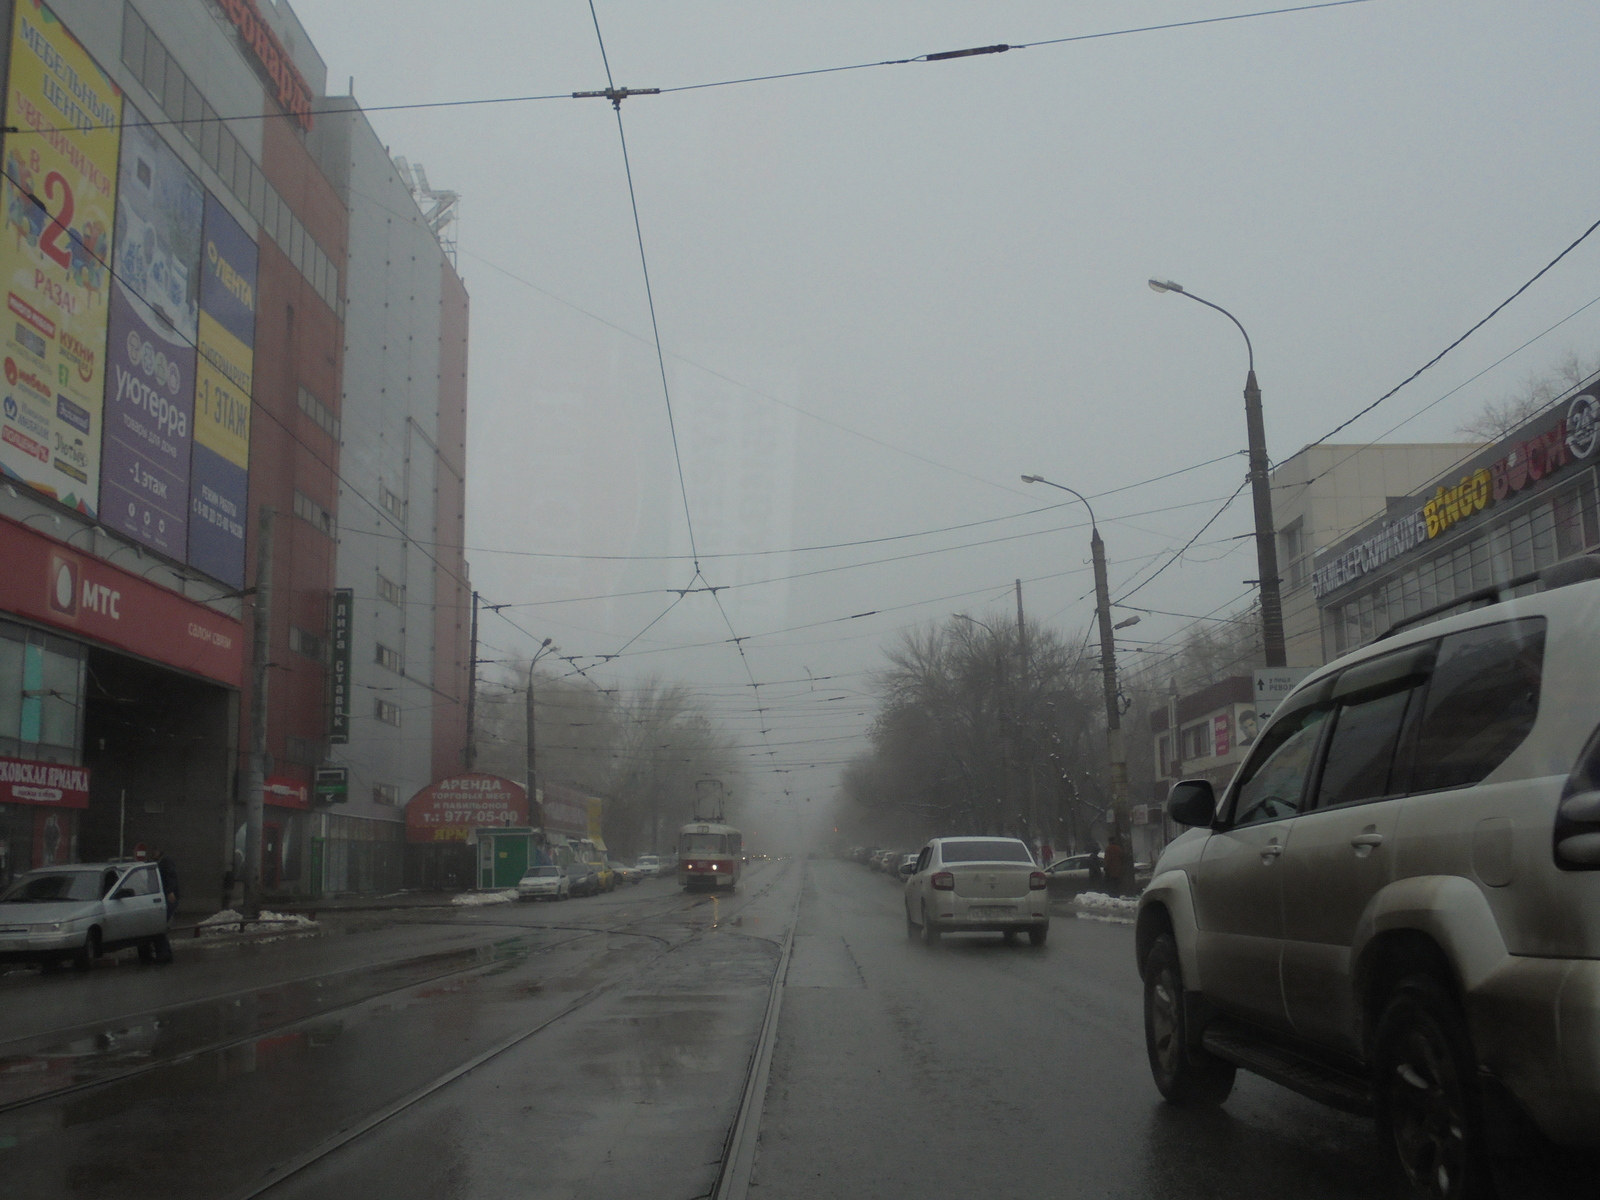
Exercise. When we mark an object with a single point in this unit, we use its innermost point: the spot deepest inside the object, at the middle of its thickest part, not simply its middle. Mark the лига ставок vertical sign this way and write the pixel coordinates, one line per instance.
(155, 313)
(59, 201)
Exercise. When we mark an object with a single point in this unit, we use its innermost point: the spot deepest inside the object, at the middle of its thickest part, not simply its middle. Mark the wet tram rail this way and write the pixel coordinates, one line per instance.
(257, 1059)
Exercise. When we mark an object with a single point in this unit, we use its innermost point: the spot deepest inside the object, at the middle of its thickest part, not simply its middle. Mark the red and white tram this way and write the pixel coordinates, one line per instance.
(709, 855)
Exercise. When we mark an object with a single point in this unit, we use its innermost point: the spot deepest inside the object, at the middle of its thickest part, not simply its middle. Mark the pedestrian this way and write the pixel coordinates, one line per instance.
(169, 880)
(1046, 854)
(1116, 857)
(1093, 851)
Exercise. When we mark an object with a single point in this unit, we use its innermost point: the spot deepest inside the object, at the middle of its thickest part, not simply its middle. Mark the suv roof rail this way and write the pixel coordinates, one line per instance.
(1578, 569)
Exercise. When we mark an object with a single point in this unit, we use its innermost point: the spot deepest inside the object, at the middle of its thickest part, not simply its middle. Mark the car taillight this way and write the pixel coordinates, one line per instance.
(1037, 882)
(1576, 839)
(943, 881)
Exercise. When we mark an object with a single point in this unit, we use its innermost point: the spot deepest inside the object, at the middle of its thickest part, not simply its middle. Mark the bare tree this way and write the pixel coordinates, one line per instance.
(1540, 390)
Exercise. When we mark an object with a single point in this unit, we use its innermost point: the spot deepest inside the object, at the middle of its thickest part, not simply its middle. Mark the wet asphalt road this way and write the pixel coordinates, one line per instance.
(611, 1037)
(981, 1069)
(601, 1047)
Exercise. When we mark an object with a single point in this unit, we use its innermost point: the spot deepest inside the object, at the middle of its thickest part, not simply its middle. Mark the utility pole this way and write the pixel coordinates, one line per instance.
(469, 752)
(256, 777)
(1115, 750)
(1266, 533)
(535, 810)
(1114, 745)
(1260, 490)
(1033, 784)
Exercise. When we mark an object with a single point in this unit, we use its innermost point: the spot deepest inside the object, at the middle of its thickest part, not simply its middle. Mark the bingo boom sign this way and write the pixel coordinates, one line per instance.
(448, 810)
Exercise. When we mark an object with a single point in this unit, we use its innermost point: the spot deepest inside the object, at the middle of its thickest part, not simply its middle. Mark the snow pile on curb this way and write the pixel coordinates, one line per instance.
(231, 921)
(1097, 906)
(474, 899)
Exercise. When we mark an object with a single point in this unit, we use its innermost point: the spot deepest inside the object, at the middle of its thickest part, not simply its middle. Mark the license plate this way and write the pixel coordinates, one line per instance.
(990, 910)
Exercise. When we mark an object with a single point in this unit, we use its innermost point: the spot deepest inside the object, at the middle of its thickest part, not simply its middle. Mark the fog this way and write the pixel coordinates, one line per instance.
(884, 294)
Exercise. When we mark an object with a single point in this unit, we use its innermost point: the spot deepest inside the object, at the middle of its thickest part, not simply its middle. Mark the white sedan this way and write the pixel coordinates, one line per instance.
(544, 883)
(977, 884)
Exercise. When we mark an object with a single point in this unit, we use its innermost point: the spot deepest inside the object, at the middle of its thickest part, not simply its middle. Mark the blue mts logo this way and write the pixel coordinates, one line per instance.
(10, 406)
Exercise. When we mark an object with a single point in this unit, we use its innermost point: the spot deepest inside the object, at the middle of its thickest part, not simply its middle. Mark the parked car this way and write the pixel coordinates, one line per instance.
(984, 884)
(649, 865)
(81, 911)
(606, 876)
(1394, 907)
(1073, 872)
(544, 883)
(582, 879)
(903, 861)
(626, 873)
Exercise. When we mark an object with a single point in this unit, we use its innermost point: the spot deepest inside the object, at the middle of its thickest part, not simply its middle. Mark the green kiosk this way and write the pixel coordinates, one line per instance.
(505, 854)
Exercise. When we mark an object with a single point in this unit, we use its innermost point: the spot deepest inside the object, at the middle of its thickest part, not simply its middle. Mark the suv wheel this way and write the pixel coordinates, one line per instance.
(1426, 1100)
(1183, 1075)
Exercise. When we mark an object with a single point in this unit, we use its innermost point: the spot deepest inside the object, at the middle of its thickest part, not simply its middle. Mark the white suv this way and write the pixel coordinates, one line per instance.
(1394, 907)
(976, 884)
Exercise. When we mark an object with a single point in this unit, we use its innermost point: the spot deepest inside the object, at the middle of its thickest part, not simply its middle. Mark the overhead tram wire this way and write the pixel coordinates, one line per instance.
(623, 93)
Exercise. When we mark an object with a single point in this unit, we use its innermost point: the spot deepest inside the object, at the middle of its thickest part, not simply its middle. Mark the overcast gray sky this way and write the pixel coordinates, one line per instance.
(887, 293)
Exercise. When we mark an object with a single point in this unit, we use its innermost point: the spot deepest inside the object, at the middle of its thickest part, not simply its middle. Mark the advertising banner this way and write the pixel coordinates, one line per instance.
(446, 811)
(155, 311)
(46, 581)
(344, 603)
(283, 791)
(58, 196)
(23, 781)
(220, 469)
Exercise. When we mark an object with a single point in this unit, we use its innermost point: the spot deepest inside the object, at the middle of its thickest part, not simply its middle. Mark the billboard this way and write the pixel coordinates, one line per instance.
(344, 603)
(150, 357)
(448, 810)
(58, 196)
(219, 471)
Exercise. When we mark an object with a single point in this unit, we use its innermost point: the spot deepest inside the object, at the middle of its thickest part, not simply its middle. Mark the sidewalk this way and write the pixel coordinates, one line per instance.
(192, 928)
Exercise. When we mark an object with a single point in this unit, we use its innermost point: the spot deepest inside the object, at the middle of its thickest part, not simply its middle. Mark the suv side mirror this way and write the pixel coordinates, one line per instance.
(1192, 802)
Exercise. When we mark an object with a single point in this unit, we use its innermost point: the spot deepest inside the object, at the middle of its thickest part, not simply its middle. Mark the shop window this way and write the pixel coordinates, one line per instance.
(387, 712)
(389, 590)
(41, 693)
(310, 511)
(391, 659)
(309, 644)
(385, 793)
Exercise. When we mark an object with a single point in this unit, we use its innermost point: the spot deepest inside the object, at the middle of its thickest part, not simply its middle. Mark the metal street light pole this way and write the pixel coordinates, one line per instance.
(1261, 490)
(1115, 749)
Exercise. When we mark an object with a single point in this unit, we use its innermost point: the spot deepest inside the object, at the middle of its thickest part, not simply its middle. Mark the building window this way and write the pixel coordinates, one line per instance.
(318, 412)
(385, 793)
(1292, 541)
(389, 590)
(391, 659)
(310, 644)
(310, 511)
(392, 503)
(1197, 741)
(305, 751)
(388, 713)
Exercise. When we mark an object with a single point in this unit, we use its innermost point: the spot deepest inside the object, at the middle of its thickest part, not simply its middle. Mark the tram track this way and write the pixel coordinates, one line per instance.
(283, 1172)
(43, 1042)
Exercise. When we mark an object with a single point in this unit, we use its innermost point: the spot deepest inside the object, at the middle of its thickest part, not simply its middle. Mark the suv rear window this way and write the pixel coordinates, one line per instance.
(1482, 701)
(984, 850)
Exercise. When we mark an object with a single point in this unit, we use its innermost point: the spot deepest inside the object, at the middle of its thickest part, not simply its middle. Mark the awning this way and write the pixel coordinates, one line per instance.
(599, 845)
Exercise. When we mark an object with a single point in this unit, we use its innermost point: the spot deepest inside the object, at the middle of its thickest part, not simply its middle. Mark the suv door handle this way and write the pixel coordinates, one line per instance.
(1270, 850)
(1366, 839)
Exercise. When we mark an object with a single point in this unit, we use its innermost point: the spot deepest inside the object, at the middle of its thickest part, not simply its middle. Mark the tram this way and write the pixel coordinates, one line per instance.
(709, 855)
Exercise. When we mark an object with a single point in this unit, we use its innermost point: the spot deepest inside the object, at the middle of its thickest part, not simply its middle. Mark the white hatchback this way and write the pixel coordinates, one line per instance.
(977, 884)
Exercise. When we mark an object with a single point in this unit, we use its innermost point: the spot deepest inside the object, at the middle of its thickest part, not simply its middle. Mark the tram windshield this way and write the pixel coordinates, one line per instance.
(703, 843)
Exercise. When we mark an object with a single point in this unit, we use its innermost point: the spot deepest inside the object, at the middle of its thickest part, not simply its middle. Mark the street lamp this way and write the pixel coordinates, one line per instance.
(1261, 490)
(1108, 669)
(533, 779)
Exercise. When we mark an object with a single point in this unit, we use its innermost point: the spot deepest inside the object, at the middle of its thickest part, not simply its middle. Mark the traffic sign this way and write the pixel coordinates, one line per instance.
(1273, 684)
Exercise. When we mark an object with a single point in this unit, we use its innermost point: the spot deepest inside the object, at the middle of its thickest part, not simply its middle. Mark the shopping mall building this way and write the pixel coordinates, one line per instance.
(208, 315)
